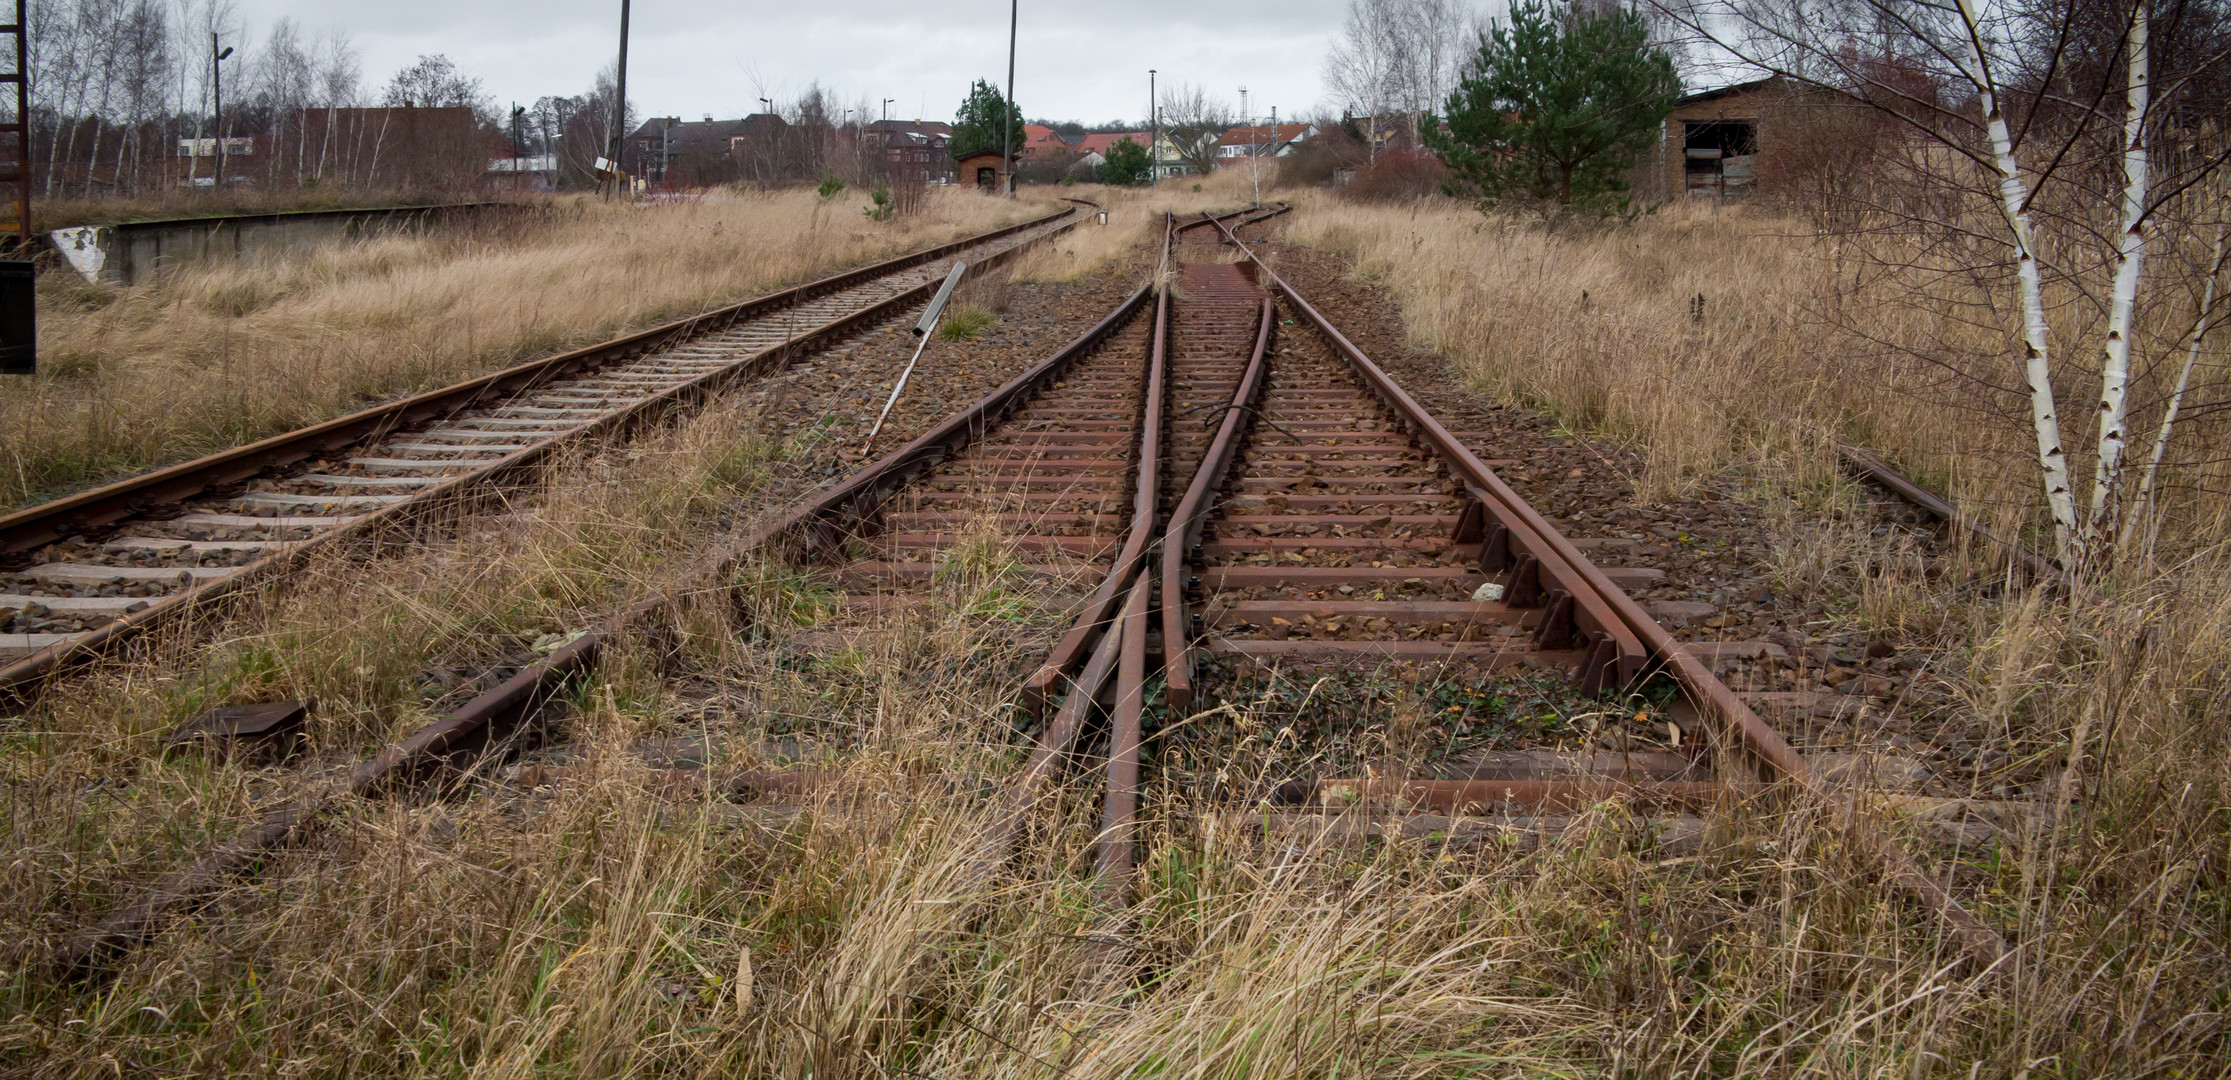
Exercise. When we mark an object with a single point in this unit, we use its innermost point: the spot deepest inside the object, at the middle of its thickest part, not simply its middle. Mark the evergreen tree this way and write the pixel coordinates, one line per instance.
(976, 126)
(1125, 164)
(1556, 105)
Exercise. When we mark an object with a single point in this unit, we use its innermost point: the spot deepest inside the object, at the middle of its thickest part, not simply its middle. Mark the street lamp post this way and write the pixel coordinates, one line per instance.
(1153, 131)
(217, 103)
(887, 107)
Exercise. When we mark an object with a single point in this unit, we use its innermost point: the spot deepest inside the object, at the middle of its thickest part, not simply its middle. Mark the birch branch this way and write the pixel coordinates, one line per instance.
(2130, 252)
(2014, 201)
(2139, 507)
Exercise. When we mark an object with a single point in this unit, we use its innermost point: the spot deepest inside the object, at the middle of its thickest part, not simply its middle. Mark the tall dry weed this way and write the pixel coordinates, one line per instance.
(214, 356)
(1729, 340)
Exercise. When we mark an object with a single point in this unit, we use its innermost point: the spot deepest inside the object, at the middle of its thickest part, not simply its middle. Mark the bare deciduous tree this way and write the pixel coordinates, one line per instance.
(2038, 151)
(1194, 120)
(1398, 58)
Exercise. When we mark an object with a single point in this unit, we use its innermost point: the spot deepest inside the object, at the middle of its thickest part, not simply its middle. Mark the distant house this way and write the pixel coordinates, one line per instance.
(916, 146)
(1101, 142)
(1169, 158)
(668, 150)
(528, 172)
(981, 168)
(1261, 140)
(1038, 139)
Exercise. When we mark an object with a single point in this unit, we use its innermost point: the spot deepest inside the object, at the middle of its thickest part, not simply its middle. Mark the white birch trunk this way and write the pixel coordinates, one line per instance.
(2141, 505)
(2014, 196)
(2130, 251)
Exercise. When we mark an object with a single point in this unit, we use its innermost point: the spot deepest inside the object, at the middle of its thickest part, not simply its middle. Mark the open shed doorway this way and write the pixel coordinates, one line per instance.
(1719, 156)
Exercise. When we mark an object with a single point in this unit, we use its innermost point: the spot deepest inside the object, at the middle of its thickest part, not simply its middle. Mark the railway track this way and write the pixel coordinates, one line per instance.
(1216, 482)
(80, 576)
(1053, 457)
(1335, 524)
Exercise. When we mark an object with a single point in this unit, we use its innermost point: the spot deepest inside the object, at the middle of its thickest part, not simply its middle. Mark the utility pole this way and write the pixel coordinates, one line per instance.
(217, 101)
(1153, 132)
(1007, 129)
(619, 103)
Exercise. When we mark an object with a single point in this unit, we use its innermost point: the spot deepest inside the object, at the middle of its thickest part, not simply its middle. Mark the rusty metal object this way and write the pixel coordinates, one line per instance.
(1115, 861)
(816, 527)
(263, 730)
(2038, 566)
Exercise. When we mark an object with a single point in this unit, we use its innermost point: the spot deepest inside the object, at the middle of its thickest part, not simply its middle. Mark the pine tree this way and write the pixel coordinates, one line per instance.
(1556, 106)
(1126, 164)
(976, 126)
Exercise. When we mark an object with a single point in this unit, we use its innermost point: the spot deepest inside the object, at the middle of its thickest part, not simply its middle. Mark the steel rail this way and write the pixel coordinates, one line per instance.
(816, 525)
(38, 525)
(1192, 513)
(1904, 487)
(60, 518)
(1105, 601)
(1115, 860)
(1107, 598)
(1102, 606)
(1736, 726)
(1617, 654)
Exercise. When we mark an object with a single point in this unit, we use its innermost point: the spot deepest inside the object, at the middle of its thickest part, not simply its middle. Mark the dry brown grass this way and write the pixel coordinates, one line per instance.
(1134, 217)
(599, 928)
(216, 356)
(2117, 903)
(1702, 334)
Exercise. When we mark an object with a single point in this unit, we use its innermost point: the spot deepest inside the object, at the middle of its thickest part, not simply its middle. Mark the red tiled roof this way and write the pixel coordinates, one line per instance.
(1101, 142)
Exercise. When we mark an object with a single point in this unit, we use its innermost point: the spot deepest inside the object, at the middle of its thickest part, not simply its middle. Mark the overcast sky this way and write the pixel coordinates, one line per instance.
(1080, 61)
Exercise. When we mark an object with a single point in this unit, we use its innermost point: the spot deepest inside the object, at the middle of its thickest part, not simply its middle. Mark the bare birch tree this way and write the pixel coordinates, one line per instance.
(1361, 70)
(2060, 108)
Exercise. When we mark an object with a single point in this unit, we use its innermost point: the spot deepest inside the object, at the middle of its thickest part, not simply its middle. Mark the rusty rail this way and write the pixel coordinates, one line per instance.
(820, 523)
(2039, 566)
(1601, 607)
(35, 526)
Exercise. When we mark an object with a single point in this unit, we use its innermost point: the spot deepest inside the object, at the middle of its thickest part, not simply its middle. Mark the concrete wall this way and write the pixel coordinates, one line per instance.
(130, 253)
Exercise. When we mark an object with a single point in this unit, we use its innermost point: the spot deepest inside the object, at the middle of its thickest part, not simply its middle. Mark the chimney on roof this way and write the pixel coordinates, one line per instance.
(708, 118)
